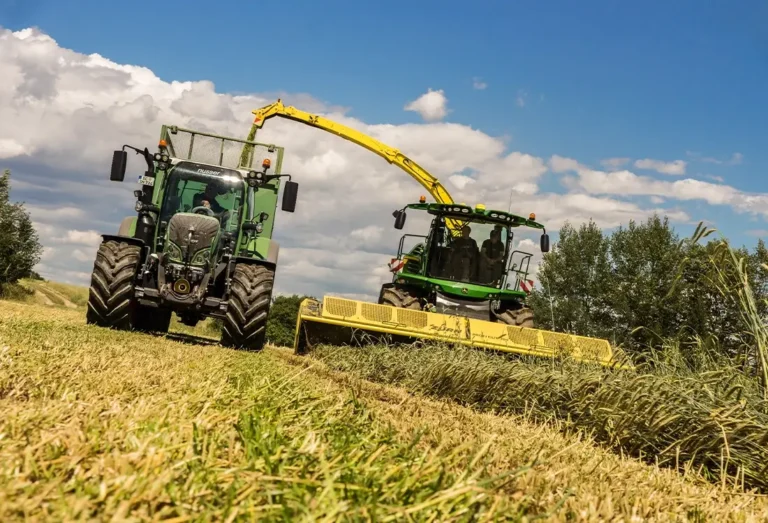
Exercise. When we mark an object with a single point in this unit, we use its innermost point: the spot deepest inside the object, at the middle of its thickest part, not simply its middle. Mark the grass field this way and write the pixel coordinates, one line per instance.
(101, 424)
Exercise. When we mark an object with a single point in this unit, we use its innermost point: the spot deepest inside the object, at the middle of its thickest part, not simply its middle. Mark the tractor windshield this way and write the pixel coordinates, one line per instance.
(476, 256)
(220, 196)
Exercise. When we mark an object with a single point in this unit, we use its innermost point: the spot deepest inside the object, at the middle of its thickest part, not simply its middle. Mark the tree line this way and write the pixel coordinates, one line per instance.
(20, 247)
(642, 285)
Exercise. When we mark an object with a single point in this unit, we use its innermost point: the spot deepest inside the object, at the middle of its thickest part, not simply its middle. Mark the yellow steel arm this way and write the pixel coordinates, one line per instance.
(392, 155)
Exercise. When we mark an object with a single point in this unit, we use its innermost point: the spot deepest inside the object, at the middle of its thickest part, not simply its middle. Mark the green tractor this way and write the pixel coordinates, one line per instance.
(201, 242)
(464, 266)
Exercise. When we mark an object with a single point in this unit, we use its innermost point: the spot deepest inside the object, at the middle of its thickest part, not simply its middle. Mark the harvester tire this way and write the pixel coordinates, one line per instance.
(110, 297)
(519, 317)
(400, 298)
(245, 325)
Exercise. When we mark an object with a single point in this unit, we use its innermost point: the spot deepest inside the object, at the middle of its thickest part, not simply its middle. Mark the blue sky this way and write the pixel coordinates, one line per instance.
(598, 79)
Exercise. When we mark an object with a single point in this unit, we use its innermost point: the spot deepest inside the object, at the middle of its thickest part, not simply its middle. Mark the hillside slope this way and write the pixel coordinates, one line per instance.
(97, 423)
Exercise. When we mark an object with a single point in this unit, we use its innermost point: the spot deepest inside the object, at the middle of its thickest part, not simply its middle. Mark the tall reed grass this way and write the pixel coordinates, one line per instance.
(688, 405)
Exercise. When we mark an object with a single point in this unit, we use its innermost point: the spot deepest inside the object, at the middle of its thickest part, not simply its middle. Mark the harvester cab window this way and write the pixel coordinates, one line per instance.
(475, 255)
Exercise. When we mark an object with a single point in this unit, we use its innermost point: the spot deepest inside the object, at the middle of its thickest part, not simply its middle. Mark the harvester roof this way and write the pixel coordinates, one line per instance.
(476, 214)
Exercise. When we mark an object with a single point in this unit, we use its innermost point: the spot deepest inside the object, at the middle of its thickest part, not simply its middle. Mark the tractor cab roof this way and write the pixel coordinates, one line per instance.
(477, 214)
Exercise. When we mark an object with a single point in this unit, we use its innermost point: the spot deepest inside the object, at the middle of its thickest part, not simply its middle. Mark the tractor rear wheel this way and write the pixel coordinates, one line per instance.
(110, 297)
(400, 298)
(245, 325)
(522, 317)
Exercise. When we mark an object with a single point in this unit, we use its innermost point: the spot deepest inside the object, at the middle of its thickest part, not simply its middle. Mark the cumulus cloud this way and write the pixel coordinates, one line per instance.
(62, 114)
(675, 168)
(614, 163)
(432, 105)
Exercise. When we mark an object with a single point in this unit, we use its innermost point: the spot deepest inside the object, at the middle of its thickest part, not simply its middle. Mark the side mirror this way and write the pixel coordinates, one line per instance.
(289, 196)
(399, 219)
(263, 217)
(119, 161)
(544, 242)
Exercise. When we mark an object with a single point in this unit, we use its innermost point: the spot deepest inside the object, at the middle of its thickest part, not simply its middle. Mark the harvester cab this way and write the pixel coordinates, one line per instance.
(200, 244)
(465, 265)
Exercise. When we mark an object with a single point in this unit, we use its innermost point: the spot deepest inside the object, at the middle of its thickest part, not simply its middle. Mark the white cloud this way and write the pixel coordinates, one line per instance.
(432, 105)
(478, 84)
(10, 148)
(676, 167)
(736, 158)
(614, 163)
(67, 111)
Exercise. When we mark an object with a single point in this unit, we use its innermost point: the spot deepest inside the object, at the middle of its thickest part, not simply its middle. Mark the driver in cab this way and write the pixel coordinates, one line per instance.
(207, 199)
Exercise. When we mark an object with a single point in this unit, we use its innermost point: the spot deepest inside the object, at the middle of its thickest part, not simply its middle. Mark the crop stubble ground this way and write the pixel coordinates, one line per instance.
(102, 424)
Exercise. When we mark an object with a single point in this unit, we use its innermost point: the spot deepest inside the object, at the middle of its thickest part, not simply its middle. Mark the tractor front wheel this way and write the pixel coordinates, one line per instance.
(399, 297)
(245, 325)
(110, 297)
(522, 317)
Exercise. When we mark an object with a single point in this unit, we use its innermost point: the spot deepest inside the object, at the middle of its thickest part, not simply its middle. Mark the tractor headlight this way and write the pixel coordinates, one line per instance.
(157, 157)
(139, 206)
(259, 227)
(165, 158)
(259, 176)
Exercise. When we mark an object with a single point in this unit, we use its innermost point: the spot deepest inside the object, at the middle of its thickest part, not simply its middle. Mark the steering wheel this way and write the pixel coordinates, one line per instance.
(206, 210)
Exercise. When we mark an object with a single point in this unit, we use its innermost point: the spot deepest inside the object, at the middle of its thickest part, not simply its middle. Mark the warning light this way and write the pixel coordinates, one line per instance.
(422, 199)
(163, 143)
(480, 207)
(532, 216)
(266, 163)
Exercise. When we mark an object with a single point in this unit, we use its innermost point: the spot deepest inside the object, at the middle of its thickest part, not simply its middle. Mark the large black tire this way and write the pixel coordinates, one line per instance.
(400, 298)
(110, 297)
(520, 317)
(245, 325)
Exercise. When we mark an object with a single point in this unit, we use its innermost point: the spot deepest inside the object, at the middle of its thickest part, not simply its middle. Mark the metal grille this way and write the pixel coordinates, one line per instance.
(522, 336)
(340, 306)
(411, 318)
(373, 312)
(218, 150)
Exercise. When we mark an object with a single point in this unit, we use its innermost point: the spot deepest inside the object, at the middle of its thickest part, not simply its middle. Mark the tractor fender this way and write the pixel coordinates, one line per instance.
(270, 260)
(121, 238)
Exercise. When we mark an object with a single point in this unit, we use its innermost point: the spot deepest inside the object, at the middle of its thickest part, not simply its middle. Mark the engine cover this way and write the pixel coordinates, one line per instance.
(476, 309)
(191, 238)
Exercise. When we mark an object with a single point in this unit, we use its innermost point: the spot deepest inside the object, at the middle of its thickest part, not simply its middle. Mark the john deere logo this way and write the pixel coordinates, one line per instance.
(464, 290)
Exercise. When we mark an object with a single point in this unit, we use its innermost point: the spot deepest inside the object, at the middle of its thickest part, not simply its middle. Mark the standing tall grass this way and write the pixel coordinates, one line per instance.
(688, 405)
(732, 279)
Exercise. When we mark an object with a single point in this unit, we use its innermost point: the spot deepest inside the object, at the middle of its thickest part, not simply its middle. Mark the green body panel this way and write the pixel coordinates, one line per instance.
(459, 289)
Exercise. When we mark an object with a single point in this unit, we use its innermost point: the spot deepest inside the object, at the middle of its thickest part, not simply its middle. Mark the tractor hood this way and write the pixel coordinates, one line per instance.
(191, 238)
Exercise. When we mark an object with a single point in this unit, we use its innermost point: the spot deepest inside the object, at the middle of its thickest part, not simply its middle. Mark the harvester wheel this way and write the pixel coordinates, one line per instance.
(245, 326)
(400, 298)
(520, 317)
(110, 297)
